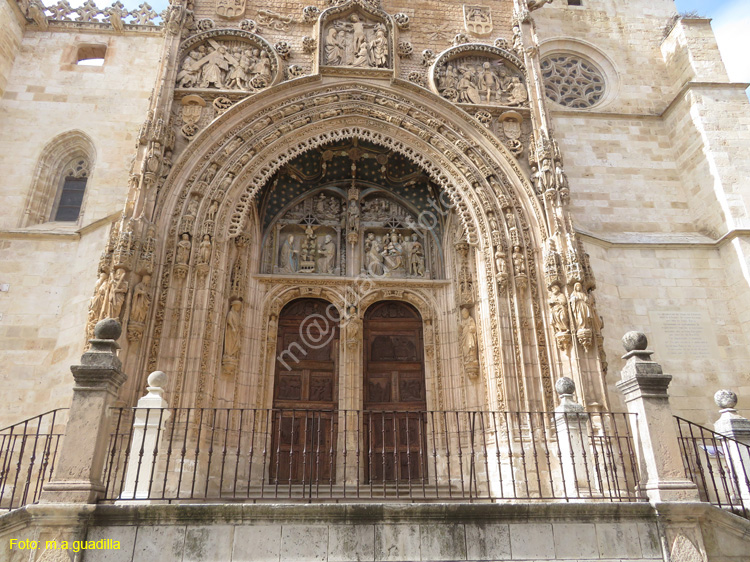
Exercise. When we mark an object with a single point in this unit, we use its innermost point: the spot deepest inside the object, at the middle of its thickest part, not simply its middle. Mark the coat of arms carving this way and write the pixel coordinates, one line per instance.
(230, 8)
(477, 19)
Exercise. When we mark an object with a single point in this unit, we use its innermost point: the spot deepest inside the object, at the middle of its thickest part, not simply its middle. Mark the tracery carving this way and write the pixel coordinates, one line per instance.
(227, 60)
(572, 81)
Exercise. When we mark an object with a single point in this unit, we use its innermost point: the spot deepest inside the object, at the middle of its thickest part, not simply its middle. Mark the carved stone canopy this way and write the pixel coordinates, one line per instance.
(227, 60)
(480, 75)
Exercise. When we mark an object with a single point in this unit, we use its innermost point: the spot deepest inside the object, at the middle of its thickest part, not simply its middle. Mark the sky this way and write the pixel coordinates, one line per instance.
(731, 24)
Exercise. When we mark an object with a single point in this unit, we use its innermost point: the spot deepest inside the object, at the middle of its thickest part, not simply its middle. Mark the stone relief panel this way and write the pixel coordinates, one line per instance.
(308, 237)
(356, 39)
(391, 248)
(480, 75)
(229, 60)
(477, 19)
(230, 8)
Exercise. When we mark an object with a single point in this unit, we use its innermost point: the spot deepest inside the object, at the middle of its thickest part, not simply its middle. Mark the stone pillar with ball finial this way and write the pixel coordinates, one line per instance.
(657, 447)
(80, 462)
(737, 447)
(151, 415)
(572, 425)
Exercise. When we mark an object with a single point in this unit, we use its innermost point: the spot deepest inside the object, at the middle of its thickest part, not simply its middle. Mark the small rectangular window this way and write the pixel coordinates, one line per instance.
(71, 199)
(575, 3)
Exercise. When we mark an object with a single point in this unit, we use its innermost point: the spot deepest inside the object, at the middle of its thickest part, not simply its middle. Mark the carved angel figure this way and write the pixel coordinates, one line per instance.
(558, 305)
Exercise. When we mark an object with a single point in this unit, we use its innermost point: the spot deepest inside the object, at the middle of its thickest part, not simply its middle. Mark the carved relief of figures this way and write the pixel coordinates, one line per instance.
(480, 80)
(584, 318)
(356, 42)
(318, 234)
(477, 19)
(326, 255)
(232, 337)
(231, 64)
(469, 349)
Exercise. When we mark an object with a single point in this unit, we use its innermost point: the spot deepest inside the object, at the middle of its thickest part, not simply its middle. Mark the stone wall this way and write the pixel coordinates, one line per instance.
(10, 39)
(51, 267)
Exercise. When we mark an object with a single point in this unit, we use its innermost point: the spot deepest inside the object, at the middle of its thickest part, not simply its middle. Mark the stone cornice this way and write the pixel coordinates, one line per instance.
(59, 235)
(699, 241)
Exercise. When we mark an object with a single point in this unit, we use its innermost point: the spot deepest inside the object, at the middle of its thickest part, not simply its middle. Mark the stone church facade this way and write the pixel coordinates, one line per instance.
(531, 186)
(364, 205)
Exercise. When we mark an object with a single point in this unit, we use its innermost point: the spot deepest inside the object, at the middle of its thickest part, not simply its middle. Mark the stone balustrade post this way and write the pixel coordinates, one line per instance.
(657, 446)
(735, 427)
(145, 443)
(573, 438)
(80, 462)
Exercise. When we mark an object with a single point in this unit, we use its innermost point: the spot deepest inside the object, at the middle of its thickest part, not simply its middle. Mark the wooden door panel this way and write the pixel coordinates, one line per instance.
(394, 394)
(303, 435)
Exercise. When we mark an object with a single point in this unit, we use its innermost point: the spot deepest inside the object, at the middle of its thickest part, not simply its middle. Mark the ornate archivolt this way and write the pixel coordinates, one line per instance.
(206, 207)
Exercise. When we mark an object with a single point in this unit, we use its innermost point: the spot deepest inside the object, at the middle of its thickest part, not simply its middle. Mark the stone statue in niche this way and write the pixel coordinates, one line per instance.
(469, 350)
(141, 301)
(585, 319)
(477, 19)
(227, 65)
(480, 80)
(356, 42)
(183, 250)
(558, 305)
(232, 335)
(117, 294)
(204, 250)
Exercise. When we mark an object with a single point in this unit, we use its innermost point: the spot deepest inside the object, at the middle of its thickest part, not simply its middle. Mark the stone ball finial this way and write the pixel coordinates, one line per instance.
(108, 329)
(634, 341)
(157, 379)
(725, 399)
(565, 385)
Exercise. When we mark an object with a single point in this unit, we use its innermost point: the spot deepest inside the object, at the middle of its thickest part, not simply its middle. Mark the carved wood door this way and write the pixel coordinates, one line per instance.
(305, 394)
(394, 401)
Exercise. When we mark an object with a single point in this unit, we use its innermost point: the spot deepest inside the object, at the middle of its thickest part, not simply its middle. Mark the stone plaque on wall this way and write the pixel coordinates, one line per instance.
(683, 334)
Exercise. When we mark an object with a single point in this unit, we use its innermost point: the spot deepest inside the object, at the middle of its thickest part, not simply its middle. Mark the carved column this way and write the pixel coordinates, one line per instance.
(77, 477)
(658, 449)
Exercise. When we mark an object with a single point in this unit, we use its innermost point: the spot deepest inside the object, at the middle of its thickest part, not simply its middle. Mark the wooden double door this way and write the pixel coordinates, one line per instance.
(305, 418)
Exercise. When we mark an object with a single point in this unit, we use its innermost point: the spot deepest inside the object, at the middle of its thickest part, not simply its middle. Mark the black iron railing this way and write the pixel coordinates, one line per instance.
(186, 454)
(718, 465)
(28, 451)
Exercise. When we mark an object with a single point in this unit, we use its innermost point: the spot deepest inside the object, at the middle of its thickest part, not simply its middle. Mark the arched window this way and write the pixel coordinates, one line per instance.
(59, 184)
